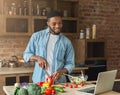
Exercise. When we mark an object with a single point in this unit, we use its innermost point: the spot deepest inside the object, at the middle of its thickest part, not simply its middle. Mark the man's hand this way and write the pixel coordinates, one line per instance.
(41, 61)
(56, 75)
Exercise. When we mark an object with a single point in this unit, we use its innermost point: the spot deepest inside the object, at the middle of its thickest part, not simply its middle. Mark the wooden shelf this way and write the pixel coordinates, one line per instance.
(16, 16)
(70, 18)
(96, 58)
(69, 0)
(69, 5)
(39, 17)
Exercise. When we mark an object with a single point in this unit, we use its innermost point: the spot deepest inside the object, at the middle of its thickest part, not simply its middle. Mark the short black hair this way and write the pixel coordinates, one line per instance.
(53, 13)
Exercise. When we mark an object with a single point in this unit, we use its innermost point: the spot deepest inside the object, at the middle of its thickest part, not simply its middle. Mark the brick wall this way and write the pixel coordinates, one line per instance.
(106, 15)
(12, 45)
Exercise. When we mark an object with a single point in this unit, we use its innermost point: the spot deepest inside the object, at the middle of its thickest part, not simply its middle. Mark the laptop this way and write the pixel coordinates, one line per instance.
(104, 83)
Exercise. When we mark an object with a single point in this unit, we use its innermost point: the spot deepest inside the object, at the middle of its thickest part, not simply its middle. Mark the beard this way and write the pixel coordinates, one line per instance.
(57, 32)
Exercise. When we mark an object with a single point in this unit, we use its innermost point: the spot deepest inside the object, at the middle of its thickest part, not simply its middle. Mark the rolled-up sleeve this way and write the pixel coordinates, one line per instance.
(30, 49)
(69, 62)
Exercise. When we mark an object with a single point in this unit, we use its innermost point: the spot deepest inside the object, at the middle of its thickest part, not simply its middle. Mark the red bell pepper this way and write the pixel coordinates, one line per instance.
(50, 79)
(40, 83)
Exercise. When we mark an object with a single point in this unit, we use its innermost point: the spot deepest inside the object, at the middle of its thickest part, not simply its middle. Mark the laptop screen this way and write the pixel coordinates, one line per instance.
(104, 83)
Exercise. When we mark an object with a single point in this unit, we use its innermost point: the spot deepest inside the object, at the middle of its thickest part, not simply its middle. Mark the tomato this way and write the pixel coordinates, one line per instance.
(50, 88)
(66, 84)
(47, 92)
(71, 86)
(82, 84)
(53, 92)
(50, 79)
(75, 85)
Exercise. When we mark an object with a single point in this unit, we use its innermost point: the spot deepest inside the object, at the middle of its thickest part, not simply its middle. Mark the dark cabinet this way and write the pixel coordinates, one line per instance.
(90, 53)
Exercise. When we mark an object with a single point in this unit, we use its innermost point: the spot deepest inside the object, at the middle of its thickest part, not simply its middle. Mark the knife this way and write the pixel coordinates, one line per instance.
(47, 72)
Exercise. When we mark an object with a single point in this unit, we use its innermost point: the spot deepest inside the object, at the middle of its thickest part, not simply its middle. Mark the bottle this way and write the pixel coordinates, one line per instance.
(81, 34)
(44, 12)
(87, 33)
(37, 10)
(94, 31)
(19, 10)
(25, 10)
(13, 8)
(65, 13)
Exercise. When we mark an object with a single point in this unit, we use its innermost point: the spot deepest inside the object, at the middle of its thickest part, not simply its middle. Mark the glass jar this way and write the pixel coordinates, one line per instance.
(65, 13)
(94, 31)
(87, 33)
(82, 34)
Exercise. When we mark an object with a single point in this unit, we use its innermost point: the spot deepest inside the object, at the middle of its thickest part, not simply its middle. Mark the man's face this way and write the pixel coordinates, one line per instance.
(55, 24)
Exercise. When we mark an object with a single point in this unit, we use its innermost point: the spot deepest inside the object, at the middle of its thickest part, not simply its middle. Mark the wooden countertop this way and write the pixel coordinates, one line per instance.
(18, 70)
(68, 91)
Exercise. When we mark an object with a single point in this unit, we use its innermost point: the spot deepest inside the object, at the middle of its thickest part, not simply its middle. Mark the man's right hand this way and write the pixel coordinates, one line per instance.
(41, 61)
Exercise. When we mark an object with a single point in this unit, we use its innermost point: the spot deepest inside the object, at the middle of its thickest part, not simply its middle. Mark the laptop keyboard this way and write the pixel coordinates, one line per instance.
(88, 90)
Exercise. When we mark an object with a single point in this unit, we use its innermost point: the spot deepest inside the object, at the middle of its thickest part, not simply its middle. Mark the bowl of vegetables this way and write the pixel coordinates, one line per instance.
(78, 79)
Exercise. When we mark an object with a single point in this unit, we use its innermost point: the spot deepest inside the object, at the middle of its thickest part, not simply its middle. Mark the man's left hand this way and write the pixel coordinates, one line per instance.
(56, 75)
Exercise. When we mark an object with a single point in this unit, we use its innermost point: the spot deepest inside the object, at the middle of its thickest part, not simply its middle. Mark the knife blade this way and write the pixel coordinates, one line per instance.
(46, 72)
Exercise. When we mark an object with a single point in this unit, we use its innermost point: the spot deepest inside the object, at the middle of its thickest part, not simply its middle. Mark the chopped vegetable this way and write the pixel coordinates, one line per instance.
(59, 89)
(82, 84)
(40, 84)
(66, 84)
(46, 84)
(71, 86)
(53, 92)
(75, 85)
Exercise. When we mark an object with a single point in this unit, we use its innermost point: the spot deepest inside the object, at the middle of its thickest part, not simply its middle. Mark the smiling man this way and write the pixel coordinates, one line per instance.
(51, 51)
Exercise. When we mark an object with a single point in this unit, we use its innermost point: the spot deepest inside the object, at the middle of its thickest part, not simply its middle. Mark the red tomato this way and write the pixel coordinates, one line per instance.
(82, 84)
(75, 85)
(71, 86)
(47, 92)
(66, 84)
(53, 92)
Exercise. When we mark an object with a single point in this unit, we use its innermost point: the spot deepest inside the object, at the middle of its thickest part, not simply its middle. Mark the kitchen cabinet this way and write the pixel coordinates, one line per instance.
(9, 76)
(13, 78)
(89, 50)
(90, 53)
(23, 17)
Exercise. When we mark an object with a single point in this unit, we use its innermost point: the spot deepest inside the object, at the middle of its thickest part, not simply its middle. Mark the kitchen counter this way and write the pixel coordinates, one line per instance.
(68, 91)
(18, 70)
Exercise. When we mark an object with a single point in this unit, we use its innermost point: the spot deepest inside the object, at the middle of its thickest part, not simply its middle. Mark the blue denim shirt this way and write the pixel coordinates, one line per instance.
(63, 56)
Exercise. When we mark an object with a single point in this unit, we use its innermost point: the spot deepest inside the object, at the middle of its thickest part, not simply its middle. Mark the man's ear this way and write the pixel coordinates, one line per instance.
(47, 23)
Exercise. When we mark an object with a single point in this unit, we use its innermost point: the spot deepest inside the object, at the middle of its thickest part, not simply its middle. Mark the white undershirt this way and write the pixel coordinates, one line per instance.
(50, 49)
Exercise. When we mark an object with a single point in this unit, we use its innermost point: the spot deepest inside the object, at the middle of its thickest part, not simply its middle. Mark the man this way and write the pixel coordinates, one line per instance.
(50, 50)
